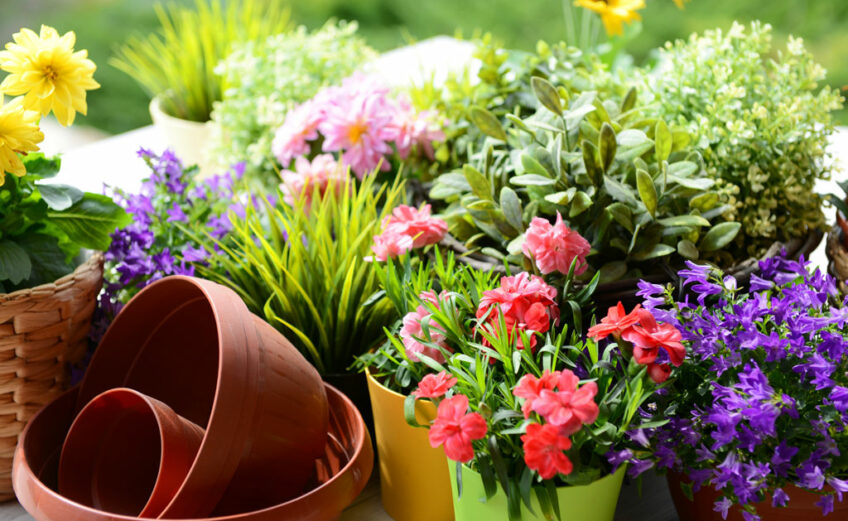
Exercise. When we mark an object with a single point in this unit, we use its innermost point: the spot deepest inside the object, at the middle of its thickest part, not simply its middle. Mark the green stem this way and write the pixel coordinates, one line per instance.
(570, 30)
(584, 30)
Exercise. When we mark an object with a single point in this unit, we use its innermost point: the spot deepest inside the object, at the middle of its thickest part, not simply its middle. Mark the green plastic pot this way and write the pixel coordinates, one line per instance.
(593, 502)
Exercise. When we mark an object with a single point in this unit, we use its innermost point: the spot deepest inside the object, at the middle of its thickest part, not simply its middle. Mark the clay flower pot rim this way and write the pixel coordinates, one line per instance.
(363, 445)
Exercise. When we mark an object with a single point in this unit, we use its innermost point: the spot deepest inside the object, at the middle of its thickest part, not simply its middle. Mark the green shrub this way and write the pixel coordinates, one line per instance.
(265, 81)
(760, 122)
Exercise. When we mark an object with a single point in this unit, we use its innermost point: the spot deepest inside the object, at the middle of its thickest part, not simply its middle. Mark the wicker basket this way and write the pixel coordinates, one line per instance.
(42, 330)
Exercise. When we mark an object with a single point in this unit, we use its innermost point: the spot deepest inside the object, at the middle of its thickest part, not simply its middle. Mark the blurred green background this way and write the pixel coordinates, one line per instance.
(120, 104)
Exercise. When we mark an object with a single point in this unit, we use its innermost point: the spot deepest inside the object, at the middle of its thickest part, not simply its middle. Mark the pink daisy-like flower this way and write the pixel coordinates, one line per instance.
(319, 174)
(569, 407)
(434, 385)
(554, 247)
(356, 122)
(300, 126)
(410, 128)
(456, 428)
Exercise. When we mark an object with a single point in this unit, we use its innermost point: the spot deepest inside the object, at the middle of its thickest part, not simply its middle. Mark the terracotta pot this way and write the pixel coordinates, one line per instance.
(593, 502)
(188, 139)
(408, 464)
(801, 506)
(341, 472)
(193, 345)
(127, 453)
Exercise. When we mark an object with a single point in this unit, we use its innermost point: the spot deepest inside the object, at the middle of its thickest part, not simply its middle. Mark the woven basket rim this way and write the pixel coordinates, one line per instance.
(94, 262)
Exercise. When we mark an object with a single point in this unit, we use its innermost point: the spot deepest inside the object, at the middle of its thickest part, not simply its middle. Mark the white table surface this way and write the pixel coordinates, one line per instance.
(113, 161)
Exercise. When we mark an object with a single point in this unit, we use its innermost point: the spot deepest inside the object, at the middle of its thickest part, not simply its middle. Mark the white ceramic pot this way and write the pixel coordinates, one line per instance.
(188, 139)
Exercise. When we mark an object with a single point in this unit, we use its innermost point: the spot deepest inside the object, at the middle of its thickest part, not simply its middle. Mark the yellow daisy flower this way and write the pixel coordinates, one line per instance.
(48, 73)
(680, 3)
(613, 12)
(19, 132)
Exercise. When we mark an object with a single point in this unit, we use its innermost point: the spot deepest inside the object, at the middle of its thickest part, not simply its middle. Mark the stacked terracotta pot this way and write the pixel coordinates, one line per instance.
(194, 408)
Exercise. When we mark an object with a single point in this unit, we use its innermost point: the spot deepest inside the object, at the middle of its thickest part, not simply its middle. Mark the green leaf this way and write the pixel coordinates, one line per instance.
(59, 197)
(15, 264)
(48, 260)
(479, 184)
(704, 202)
(620, 192)
(487, 123)
(607, 146)
(629, 100)
(409, 411)
(579, 204)
(561, 198)
(449, 184)
(693, 184)
(612, 271)
(532, 180)
(532, 166)
(90, 222)
(511, 207)
(664, 141)
(720, 236)
(660, 250)
(622, 215)
(684, 220)
(573, 117)
(546, 94)
(687, 249)
(42, 167)
(590, 155)
(682, 168)
(632, 138)
(647, 191)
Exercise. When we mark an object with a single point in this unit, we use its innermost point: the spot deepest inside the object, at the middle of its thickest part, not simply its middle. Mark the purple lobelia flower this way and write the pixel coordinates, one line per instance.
(761, 401)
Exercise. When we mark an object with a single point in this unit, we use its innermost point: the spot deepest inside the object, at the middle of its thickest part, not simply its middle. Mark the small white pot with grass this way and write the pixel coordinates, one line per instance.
(188, 139)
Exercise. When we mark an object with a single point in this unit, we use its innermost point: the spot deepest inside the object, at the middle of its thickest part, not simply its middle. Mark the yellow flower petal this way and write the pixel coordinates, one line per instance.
(19, 133)
(46, 70)
(613, 12)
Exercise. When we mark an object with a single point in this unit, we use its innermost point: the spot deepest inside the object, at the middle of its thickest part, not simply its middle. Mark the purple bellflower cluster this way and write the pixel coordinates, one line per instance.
(172, 209)
(760, 406)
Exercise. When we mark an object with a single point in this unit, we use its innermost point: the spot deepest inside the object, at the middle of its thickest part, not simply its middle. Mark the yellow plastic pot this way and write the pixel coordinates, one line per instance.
(414, 477)
(593, 502)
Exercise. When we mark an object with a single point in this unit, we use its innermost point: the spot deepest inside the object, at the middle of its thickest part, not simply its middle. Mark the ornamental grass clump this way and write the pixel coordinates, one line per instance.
(761, 123)
(760, 406)
(265, 80)
(572, 149)
(304, 267)
(523, 399)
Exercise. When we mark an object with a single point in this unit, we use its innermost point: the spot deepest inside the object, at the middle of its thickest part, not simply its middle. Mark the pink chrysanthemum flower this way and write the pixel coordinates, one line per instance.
(389, 245)
(413, 330)
(356, 122)
(410, 128)
(300, 126)
(320, 174)
(554, 247)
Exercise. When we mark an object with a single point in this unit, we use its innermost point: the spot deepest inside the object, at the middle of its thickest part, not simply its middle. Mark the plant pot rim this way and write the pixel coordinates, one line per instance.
(157, 112)
(612, 475)
(381, 386)
(361, 455)
(94, 262)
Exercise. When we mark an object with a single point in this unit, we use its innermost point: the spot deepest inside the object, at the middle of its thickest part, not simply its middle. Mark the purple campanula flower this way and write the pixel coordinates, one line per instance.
(722, 506)
(826, 504)
(779, 498)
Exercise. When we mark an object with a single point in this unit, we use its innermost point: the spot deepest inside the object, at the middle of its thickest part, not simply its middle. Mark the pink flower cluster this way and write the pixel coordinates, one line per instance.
(359, 120)
(640, 328)
(308, 177)
(412, 331)
(456, 428)
(526, 302)
(565, 406)
(407, 229)
(554, 247)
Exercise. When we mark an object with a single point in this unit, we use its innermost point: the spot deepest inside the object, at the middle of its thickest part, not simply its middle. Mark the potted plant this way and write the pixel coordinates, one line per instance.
(176, 66)
(49, 285)
(556, 137)
(757, 412)
(266, 79)
(518, 391)
(761, 123)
